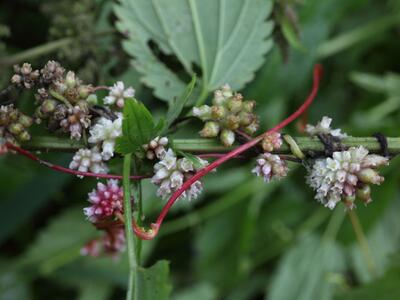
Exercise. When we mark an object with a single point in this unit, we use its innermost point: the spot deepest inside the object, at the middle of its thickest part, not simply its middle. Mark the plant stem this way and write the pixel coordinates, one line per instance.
(132, 287)
(363, 242)
(306, 145)
(137, 189)
(44, 49)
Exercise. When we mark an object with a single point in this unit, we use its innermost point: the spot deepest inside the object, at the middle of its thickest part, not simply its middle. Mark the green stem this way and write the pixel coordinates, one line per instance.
(44, 49)
(363, 242)
(132, 287)
(137, 188)
(60, 97)
(306, 145)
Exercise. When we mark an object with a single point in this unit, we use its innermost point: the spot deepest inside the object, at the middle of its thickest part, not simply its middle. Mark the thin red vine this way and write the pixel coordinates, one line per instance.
(150, 234)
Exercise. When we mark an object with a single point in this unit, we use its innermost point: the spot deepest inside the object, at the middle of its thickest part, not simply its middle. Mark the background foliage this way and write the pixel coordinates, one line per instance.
(243, 239)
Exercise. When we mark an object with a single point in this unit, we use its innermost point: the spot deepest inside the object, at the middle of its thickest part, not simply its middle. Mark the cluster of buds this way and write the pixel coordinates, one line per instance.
(345, 176)
(156, 148)
(52, 72)
(228, 113)
(271, 142)
(86, 160)
(112, 243)
(324, 127)
(106, 200)
(25, 76)
(14, 125)
(270, 166)
(171, 172)
(77, 119)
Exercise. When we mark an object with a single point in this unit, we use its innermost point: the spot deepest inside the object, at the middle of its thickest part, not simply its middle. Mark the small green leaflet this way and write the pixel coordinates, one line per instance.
(176, 107)
(138, 128)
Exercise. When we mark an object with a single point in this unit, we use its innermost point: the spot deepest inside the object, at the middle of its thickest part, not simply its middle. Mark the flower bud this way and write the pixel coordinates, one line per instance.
(25, 120)
(16, 79)
(234, 104)
(84, 91)
(364, 194)
(92, 99)
(246, 118)
(248, 106)
(211, 129)
(202, 112)
(370, 176)
(48, 106)
(349, 201)
(70, 79)
(218, 112)
(252, 128)
(232, 122)
(24, 136)
(227, 137)
(15, 128)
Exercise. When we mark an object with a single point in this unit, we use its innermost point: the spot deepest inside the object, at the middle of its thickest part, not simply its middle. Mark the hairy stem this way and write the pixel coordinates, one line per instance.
(132, 287)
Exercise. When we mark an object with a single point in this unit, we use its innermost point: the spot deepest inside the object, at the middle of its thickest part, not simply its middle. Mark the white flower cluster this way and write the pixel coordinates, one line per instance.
(270, 166)
(118, 94)
(86, 160)
(171, 172)
(324, 127)
(344, 176)
(105, 132)
(156, 148)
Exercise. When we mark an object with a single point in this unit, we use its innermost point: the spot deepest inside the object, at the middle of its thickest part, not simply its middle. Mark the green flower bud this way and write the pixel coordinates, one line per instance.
(70, 79)
(248, 106)
(246, 118)
(370, 176)
(24, 136)
(234, 105)
(84, 91)
(15, 128)
(218, 112)
(232, 122)
(202, 112)
(252, 128)
(48, 106)
(25, 120)
(227, 137)
(92, 99)
(349, 201)
(210, 129)
(364, 194)
(13, 116)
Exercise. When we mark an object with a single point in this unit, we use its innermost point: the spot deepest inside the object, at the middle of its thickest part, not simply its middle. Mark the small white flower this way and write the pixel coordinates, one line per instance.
(106, 131)
(270, 166)
(86, 160)
(118, 94)
(324, 127)
(344, 175)
(170, 174)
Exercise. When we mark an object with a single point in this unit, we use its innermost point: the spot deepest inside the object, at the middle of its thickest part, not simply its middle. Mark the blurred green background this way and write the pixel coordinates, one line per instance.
(242, 239)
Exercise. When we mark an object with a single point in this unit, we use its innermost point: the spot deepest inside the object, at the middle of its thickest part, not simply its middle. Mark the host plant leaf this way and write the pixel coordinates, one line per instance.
(226, 39)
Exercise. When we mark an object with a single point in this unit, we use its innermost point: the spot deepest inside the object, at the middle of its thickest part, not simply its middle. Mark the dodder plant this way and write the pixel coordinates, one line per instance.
(337, 173)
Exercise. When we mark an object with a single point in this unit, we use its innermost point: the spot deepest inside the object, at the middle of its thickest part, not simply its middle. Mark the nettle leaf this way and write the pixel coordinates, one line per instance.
(227, 39)
(154, 281)
(137, 128)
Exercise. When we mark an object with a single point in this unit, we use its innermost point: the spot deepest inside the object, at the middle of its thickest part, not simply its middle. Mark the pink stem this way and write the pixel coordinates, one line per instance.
(155, 226)
(66, 170)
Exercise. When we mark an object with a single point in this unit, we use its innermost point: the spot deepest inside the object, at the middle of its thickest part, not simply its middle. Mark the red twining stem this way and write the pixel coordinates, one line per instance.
(150, 234)
(66, 170)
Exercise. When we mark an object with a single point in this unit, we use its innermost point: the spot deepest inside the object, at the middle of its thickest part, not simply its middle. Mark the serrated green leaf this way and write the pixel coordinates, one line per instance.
(137, 127)
(226, 39)
(176, 107)
(154, 282)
